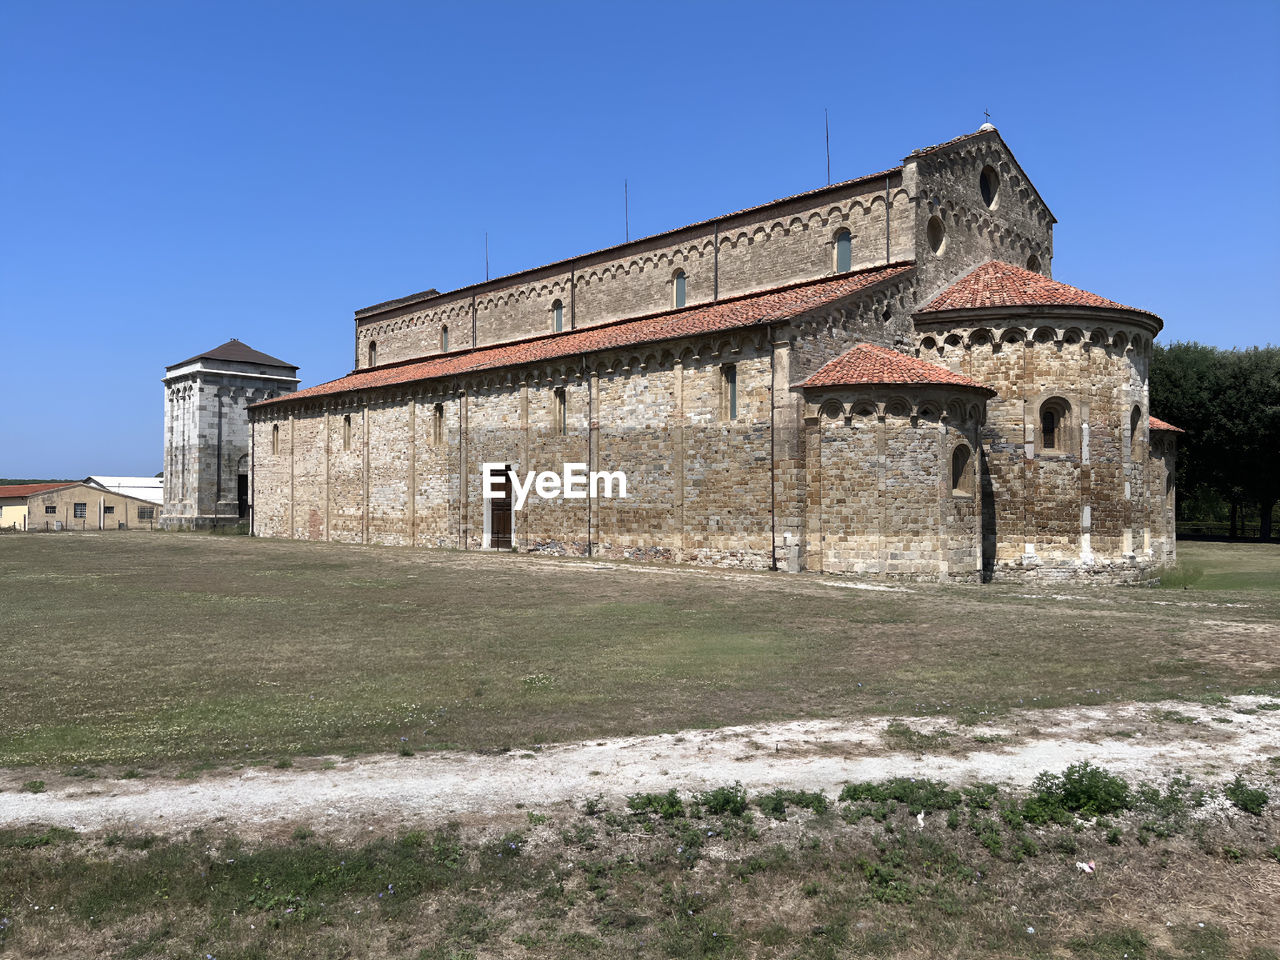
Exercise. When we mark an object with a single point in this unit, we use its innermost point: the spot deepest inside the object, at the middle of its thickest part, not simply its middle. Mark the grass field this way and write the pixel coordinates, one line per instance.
(167, 653)
(174, 650)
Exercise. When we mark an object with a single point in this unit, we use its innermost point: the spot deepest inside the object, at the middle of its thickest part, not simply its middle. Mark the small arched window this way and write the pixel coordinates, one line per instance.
(275, 438)
(1055, 426)
(680, 288)
(437, 425)
(557, 316)
(1049, 429)
(444, 339)
(373, 353)
(346, 432)
(961, 472)
(844, 251)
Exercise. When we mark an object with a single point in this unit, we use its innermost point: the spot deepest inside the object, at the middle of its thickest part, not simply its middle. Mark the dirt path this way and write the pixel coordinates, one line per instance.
(1142, 741)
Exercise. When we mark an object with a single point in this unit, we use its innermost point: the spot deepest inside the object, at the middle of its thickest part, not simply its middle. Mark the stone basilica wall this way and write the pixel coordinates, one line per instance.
(787, 243)
(1094, 503)
(698, 481)
(847, 481)
(882, 497)
(769, 246)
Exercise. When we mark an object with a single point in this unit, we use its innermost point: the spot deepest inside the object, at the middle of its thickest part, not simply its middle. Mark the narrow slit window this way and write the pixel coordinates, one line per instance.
(681, 288)
(844, 251)
(275, 438)
(444, 339)
(560, 412)
(437, 425)
(346, 432)
(557, 316)
(729, 391)
(961, 472)
(373, 353)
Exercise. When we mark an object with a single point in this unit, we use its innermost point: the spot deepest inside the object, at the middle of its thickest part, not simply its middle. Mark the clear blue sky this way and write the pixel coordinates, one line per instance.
(176, 174)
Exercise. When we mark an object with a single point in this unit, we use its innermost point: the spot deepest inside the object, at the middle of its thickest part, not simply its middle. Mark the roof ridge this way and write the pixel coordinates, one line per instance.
(762, 307)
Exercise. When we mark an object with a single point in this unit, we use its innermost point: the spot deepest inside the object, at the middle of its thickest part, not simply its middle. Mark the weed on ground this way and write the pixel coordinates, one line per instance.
(890, 869)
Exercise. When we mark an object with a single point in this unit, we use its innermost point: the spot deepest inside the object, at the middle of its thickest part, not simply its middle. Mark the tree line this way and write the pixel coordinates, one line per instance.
(1228, 402)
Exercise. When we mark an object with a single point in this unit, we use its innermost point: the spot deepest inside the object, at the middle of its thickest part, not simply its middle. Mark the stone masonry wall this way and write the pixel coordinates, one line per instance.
(207, 438)
(880, 499)
(947, 184)
(784, 243)
(698, 480)
(1081, 507)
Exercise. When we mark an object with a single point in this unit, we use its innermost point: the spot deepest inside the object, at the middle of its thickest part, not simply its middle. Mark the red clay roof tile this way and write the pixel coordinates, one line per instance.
(868, 363)
(31, 489)
(749, 310)
(1155, 424)
(998, 284)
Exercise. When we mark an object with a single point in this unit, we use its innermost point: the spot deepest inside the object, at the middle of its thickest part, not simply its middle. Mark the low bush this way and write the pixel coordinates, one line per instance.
(1082, 789)
(919, 796)
(1247, 798)
(724, 801)
(775, 804)
(666, 805)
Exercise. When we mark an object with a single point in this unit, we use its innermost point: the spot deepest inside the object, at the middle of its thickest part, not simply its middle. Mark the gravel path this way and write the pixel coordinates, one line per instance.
(1140, 740)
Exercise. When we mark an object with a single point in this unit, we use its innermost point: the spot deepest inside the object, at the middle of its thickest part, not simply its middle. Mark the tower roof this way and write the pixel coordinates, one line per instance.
(869, 364)
(999, 284)
(236, 352)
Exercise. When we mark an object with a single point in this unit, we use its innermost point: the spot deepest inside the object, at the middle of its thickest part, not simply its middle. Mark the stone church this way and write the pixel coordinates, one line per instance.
(877, 378)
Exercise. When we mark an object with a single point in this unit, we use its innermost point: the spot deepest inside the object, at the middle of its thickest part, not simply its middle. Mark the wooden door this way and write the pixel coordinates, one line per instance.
(500, 514)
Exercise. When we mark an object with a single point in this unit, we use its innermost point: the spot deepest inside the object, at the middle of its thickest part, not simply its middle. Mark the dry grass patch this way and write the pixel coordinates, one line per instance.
(179, 650)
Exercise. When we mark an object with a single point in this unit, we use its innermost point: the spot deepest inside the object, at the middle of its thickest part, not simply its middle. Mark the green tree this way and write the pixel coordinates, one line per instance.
(1228, 402)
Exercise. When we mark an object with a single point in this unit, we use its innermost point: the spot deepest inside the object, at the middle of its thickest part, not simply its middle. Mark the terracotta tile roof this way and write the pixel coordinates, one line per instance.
(1156, 424)
(238, 352)
(749, 310)
(998, 284)
(870, 364)
(30, 489)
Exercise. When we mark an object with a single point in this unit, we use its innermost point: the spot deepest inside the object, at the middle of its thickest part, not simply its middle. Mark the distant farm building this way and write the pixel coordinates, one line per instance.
(72, 506)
